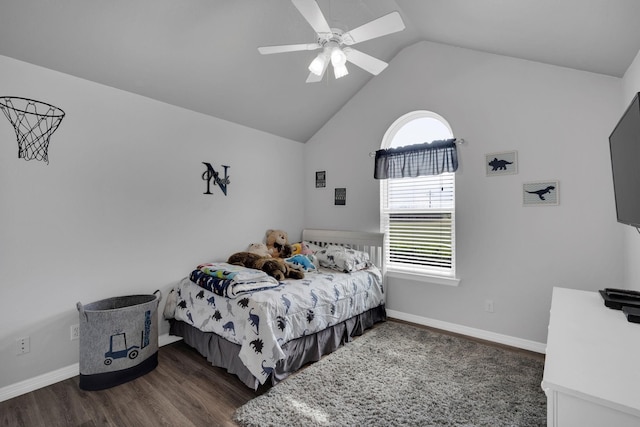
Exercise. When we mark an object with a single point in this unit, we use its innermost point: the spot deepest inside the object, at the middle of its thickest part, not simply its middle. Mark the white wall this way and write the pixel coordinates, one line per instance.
(557, 119)
(120, 208)
(631, 86)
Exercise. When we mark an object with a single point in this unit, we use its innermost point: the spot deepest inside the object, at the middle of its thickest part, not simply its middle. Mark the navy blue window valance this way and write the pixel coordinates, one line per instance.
(432, 158)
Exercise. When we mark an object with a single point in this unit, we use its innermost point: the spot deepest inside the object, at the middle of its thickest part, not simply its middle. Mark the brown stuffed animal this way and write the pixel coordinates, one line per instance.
(278, 244)
(274, 267)
(259, 249)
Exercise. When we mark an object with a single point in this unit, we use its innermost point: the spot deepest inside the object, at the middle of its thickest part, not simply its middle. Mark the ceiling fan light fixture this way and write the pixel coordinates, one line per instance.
(340, 70)
(339, 60)
(318, 64)
(338, 57)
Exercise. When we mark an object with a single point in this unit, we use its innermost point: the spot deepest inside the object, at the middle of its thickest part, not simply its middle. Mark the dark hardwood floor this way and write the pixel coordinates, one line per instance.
(184, 390)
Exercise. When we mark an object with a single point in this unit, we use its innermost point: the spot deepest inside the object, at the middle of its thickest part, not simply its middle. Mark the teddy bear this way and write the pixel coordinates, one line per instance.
(259, 249)
(278, 244)
(274, 267)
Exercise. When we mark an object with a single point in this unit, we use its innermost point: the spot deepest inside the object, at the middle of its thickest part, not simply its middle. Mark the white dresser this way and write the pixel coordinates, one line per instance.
(592, 365)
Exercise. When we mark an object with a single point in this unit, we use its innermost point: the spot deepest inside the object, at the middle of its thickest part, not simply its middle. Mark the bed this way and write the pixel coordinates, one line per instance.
(263, 336)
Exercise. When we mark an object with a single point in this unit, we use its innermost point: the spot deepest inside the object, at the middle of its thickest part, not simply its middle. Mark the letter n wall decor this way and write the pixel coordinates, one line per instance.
(211, 174)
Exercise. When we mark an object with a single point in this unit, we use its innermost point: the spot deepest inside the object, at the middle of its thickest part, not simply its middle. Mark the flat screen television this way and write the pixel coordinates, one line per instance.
(624, 143)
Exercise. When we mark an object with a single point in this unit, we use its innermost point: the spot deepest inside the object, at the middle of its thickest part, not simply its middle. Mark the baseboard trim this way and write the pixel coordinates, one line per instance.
(166, 339)
(44, 380)
(534, 346)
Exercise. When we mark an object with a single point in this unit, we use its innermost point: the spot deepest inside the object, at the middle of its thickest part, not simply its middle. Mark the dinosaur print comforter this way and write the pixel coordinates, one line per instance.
(262, 321)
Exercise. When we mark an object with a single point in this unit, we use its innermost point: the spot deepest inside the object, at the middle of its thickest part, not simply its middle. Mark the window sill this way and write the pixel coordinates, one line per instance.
(438, 280)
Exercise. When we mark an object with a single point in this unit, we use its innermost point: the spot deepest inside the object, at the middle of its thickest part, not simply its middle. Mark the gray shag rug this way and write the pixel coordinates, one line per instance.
(400, 375)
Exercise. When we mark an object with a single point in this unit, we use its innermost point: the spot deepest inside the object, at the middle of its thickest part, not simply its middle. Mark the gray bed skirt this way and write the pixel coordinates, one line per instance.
(310, 348)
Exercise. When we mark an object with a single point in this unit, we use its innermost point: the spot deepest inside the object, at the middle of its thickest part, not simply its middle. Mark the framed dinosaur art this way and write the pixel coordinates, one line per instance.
(504, 163)
(541, 193)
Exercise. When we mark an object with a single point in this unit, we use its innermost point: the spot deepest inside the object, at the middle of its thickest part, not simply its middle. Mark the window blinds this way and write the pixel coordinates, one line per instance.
(418, 215)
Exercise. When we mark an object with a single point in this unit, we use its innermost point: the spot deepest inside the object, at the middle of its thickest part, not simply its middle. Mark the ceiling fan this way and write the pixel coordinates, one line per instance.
(336, 44)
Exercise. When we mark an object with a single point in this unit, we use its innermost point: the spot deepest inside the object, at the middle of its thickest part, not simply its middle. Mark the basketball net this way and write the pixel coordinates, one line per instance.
(34, 122)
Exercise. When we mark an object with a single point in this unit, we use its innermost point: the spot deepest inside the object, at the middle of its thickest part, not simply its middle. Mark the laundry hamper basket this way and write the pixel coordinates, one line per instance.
(118, 340)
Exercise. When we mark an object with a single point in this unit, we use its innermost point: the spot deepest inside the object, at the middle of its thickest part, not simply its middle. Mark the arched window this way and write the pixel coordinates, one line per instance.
(418, 214)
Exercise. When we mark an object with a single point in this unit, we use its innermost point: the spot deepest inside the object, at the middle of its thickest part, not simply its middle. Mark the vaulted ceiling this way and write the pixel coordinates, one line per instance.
(202, 54)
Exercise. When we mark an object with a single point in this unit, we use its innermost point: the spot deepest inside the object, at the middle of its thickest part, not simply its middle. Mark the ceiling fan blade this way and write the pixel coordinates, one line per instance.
(314, 78)
(312, 13)
(387, 24)
(267, 50)
(364, 61)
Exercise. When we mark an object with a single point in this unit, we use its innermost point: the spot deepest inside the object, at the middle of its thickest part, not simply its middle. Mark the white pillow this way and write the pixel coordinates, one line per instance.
(313, 247)
(343, 258)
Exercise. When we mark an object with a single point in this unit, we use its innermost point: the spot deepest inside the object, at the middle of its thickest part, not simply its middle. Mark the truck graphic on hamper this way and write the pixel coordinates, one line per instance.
(121, 343)
(121, 349)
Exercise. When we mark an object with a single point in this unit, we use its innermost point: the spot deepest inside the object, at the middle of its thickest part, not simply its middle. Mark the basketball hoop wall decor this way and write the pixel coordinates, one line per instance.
(34, 122)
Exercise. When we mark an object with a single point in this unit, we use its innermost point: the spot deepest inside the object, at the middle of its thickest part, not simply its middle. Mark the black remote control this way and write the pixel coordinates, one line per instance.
(627, 294)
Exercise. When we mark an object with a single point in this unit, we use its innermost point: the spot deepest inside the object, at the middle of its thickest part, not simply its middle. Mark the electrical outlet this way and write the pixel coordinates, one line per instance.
(75, 332)
(23, 345)
(488, 306)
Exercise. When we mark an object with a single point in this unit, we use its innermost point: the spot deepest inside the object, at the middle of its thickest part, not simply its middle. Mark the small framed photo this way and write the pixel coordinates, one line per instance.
(321, 179)
(541, 193)
(340, 197)
(503, 163)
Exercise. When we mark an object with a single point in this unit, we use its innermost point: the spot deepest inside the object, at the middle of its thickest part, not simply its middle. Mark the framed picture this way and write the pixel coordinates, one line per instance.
(321, 179)
(541, 193)
(504, 163)
(340, 197)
